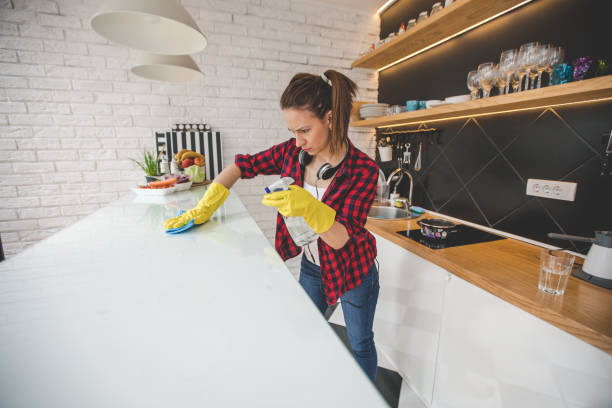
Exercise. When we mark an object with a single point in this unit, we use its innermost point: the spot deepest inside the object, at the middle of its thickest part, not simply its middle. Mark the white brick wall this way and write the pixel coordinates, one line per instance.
(71, 113)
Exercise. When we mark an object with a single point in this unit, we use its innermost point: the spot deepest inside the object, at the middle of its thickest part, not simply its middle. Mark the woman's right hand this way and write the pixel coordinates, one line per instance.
(179, 221)
(215, 195)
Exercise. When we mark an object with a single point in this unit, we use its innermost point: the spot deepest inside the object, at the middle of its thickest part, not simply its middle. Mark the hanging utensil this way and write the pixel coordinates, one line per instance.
(407, 154)
(417, 163)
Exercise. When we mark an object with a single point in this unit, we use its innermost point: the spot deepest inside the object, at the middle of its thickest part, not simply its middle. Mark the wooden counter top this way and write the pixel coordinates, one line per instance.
(509, 269)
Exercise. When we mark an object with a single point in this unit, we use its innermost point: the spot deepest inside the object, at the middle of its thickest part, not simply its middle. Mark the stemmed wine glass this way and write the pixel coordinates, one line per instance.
(507, 65)
(526, 61)
(472, 84)
(541, 59)
(486, 77)
(515, 81)
(555, 56)
(501, 80)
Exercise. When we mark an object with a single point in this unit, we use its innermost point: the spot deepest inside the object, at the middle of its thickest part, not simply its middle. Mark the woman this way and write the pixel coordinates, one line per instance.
(335, 187)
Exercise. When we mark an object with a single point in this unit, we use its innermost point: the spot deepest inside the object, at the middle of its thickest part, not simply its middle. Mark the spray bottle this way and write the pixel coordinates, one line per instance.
(300, 231)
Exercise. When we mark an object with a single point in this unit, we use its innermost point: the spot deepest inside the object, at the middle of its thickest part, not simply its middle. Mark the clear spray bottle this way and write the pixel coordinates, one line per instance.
(300, 231)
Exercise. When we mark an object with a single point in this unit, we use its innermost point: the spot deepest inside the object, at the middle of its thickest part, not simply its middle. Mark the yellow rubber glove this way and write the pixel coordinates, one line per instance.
(297, 202)
(213, 198)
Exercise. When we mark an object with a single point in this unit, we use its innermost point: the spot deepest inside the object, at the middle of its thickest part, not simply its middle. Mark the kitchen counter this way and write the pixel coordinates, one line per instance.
(509, 269)
(112, 312)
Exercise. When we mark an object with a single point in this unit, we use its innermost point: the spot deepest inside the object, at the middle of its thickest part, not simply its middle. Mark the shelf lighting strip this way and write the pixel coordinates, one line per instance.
(385, 6)
(455, 35)
(493, 113)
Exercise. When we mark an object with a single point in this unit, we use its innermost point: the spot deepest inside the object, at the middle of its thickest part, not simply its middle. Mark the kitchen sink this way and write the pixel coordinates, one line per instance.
(388, 213)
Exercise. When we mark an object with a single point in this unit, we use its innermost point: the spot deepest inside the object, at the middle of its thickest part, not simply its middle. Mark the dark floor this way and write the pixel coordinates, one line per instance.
(387, 382)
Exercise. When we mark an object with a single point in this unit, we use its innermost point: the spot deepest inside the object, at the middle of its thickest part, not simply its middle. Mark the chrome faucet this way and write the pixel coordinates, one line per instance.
(402, 171)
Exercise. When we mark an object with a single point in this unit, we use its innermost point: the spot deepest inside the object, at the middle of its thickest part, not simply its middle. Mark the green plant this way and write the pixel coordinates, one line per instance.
(148, 163)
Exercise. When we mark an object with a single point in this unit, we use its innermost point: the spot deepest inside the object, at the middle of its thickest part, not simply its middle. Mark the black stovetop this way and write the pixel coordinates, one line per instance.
(463, 236)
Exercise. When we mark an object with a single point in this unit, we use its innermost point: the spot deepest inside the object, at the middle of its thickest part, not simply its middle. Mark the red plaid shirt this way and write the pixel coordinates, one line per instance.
(350, 194)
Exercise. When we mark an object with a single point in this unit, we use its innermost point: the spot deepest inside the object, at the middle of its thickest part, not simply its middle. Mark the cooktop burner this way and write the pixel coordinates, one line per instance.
(464, 236)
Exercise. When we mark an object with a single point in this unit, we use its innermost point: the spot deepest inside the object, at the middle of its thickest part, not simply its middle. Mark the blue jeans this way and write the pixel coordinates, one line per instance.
(358, 306)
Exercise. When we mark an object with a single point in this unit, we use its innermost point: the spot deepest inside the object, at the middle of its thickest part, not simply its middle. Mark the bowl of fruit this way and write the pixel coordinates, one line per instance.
(192, 163)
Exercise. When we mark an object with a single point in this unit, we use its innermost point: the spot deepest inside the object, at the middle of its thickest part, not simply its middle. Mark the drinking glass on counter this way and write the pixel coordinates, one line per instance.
(555, 269)
(487, 76)
(472, 84)
(507, 66)
(422, 16)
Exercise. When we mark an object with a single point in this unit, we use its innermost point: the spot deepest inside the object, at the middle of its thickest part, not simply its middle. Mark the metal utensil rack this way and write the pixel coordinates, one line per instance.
(400, 138)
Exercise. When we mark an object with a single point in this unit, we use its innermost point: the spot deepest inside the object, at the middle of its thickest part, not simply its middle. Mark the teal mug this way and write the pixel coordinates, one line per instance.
(412, 105)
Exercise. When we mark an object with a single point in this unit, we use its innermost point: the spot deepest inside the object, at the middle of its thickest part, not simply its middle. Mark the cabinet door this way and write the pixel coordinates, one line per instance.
(493, 354)
(408, 314)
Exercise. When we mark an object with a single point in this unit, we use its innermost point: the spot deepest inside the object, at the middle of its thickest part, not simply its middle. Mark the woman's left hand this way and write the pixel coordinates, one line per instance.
(297, 202)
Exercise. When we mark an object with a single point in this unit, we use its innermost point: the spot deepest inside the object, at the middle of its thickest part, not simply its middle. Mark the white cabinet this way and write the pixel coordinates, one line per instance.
(493, 354)
(460, 346)
(408, 314)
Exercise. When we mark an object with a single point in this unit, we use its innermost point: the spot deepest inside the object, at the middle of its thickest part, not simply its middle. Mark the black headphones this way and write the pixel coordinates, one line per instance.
(326, 171)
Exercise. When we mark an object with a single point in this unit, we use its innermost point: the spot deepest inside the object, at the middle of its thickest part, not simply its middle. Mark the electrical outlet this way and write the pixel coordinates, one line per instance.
(557, 190)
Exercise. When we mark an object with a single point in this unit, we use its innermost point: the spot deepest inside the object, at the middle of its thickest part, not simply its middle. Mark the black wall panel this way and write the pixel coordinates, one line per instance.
(479, 169)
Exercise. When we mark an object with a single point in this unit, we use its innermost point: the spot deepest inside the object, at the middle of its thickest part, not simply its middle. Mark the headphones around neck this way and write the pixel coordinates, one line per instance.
(326, 171)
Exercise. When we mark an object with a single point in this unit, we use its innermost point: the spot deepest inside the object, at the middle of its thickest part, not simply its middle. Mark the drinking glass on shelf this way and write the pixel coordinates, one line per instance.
(472, 84)
(515, 81)
(541, 59)
(522, 74)
(501, 80)
(507, 65)
(486, 77)
(435, 8)
(526, 61)
(422, 16)
(555, 56)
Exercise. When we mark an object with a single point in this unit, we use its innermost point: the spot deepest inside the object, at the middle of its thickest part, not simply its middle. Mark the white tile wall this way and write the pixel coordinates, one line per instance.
(71, 113)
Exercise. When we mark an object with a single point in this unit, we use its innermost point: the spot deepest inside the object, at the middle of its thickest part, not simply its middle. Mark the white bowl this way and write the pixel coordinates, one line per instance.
(433, 102)
(154, 191)
(459, 98)
(374, 105)
(183, 186)
(374, 115)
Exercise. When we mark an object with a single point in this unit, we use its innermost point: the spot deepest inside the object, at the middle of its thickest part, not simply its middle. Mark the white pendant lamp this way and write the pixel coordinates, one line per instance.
(171, 68)
(156, 26)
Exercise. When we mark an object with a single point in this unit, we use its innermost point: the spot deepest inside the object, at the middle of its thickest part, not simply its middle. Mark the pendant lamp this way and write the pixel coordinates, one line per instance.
(171, 68)
(156, 26)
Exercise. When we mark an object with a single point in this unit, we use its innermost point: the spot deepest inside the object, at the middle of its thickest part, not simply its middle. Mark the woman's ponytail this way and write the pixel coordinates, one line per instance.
(343, 92)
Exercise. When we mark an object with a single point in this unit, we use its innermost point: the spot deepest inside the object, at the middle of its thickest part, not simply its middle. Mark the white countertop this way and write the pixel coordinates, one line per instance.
(113, 312)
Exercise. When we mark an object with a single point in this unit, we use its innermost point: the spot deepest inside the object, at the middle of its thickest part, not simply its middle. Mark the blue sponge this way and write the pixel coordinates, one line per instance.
(417, 210)
(180, 229)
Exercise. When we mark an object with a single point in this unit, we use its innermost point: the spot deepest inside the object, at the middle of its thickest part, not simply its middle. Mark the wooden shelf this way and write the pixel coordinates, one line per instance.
(459, 16)
(580, 91)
